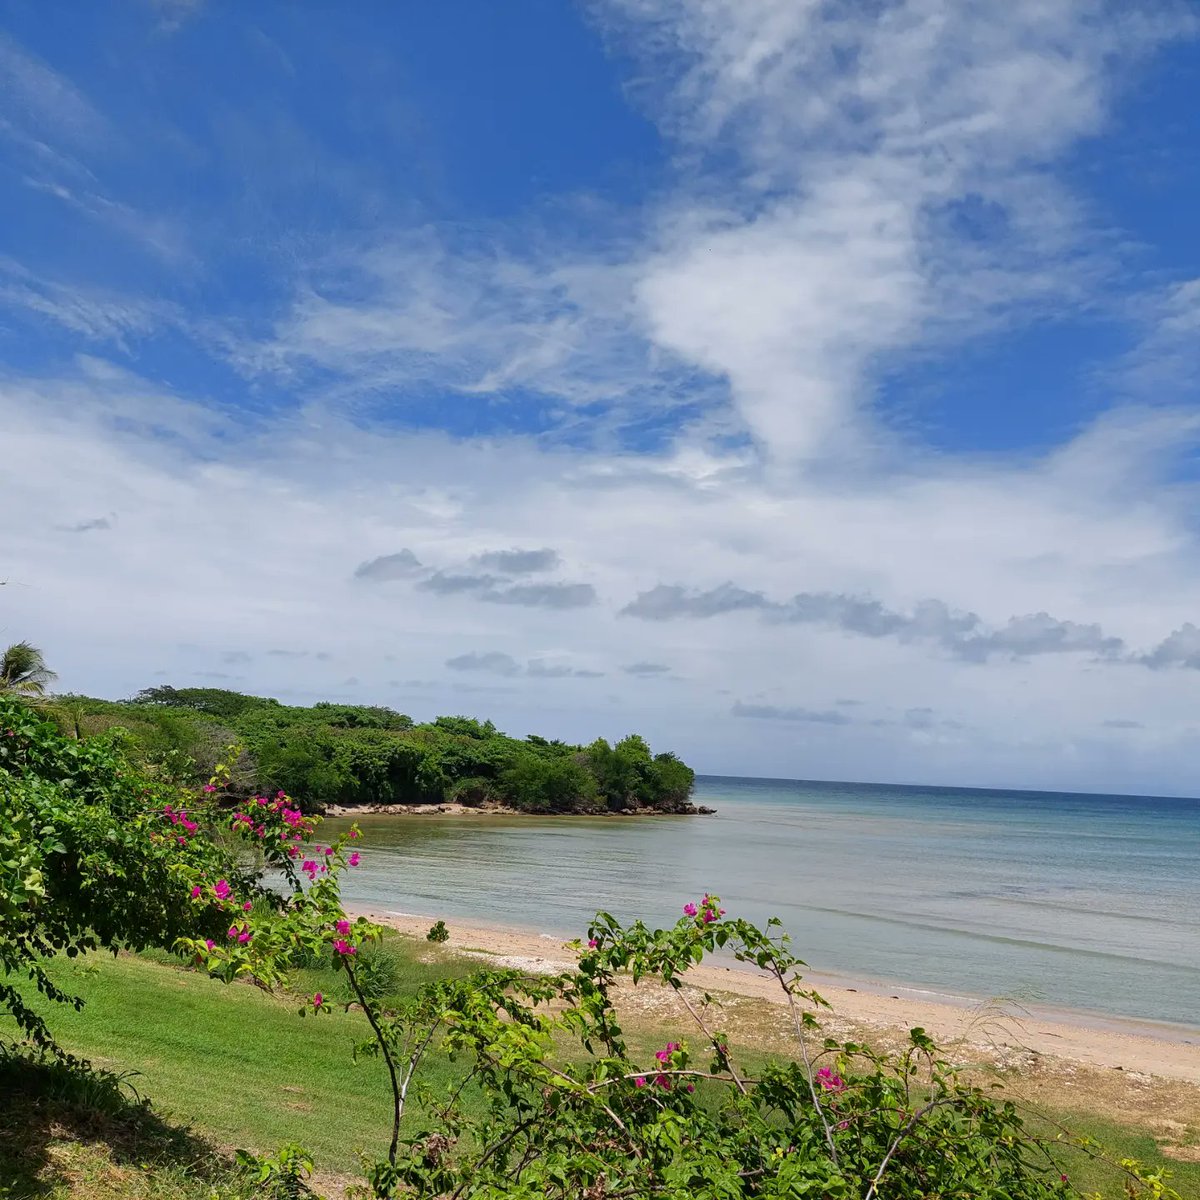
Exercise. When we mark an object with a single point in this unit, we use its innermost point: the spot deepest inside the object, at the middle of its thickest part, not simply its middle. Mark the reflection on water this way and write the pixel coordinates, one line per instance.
(1086, 901)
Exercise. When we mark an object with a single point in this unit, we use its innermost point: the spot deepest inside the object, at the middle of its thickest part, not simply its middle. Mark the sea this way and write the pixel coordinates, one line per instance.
(1080, 902)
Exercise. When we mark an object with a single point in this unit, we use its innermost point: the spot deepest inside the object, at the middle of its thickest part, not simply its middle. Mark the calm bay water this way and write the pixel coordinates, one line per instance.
(1088, 902)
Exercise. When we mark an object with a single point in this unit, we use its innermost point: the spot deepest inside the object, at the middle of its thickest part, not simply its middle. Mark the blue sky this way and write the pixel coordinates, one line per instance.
(811, 387)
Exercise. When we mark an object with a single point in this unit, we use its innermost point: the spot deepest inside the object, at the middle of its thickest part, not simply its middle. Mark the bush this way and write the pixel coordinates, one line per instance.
(438, 932)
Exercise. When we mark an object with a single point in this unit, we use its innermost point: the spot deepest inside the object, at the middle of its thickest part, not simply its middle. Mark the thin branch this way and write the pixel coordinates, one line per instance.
(808, 1070)
(904, 1132)
(721, 1052)
(397, 1095)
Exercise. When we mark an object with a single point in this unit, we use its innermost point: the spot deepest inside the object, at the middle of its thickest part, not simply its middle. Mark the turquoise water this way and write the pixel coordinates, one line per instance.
(1087, 902)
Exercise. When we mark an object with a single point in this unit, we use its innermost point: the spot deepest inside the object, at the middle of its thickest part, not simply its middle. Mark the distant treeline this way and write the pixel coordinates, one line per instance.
(359, 754)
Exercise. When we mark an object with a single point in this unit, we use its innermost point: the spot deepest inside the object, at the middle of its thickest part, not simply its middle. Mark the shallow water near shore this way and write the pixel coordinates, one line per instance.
(1084, 902)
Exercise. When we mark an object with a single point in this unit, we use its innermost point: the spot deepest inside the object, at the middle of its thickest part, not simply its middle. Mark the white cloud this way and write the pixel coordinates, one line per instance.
(850, 190)
(256, 550)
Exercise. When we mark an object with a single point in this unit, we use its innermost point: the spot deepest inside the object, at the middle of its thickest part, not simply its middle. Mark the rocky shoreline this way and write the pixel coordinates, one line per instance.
(685, 809)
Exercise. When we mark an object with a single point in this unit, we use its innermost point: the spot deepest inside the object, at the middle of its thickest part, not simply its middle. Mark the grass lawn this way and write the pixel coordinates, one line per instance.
(231, 1060)
(234, 1066)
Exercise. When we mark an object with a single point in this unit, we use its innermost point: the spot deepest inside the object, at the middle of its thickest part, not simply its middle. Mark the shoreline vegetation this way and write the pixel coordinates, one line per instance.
(346, 759)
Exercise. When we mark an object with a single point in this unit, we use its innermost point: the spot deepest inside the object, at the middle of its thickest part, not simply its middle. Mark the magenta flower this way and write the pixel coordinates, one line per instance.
(353, 860)
(354, 833)
(343, 947)
(592, 943)
(663, 1081)
(232, 932)
(245, 935)
(208, 787)
(640, 1081)
(221, 889)
(691, 1087)
(328, 850)
(689, 910)
(829, 1081)
(209, 943)
(343, 927)
(318, 1000)
(247, 906)
(197, 891)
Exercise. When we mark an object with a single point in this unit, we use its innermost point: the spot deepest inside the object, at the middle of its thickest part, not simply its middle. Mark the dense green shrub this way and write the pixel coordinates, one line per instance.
(361, 754)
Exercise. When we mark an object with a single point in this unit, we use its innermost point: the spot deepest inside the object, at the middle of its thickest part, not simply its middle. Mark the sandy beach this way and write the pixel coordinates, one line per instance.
(978, 1029)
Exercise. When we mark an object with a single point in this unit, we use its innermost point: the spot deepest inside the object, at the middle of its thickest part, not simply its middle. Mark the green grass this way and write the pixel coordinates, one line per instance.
(233, 1061)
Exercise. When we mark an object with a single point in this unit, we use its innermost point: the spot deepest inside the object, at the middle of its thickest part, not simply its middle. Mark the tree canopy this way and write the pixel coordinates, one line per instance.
(23, 671)
(345, 754)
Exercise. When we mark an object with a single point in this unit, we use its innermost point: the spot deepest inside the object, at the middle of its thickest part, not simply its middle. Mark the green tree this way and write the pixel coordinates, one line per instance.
(23, 671)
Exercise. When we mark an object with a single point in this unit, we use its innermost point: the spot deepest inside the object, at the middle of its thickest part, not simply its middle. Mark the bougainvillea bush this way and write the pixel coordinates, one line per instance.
(95, 855)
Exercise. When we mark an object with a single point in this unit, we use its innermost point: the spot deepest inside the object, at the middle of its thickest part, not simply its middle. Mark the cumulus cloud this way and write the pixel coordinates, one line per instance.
(1181, 648)
(527, 595)
(646, 669)
(493, 662)
(404, 564)
(665, 602)
(543, 595)
(770, 712)
(445, 583)
(88, 526)
(961, 634)
(519, 562)
(540, 668)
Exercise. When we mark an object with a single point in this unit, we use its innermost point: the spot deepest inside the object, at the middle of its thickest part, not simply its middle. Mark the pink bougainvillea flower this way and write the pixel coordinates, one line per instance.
(318, 1000)
(343, 947)
(208, 787)
(592, 943)
(328, 850)
(354, 833)
(343, 927)
(691, 1087)
(197, 891)
(209, 943)
(232, 932)
(663, 1081)
(830, 1081)
(353, 860)
(640, 1081)
(221, 889)
(689, 910)
(245, 935)
(247, 906)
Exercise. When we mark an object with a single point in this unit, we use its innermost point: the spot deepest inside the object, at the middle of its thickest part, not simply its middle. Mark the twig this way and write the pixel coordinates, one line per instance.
(397, 1095)
(904, 1132)
(722, 1054)
(808, 1071)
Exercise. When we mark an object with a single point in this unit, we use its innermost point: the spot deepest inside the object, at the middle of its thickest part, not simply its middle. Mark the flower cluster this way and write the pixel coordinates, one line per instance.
(830, 1081)
(706, 911)
(179, 818)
